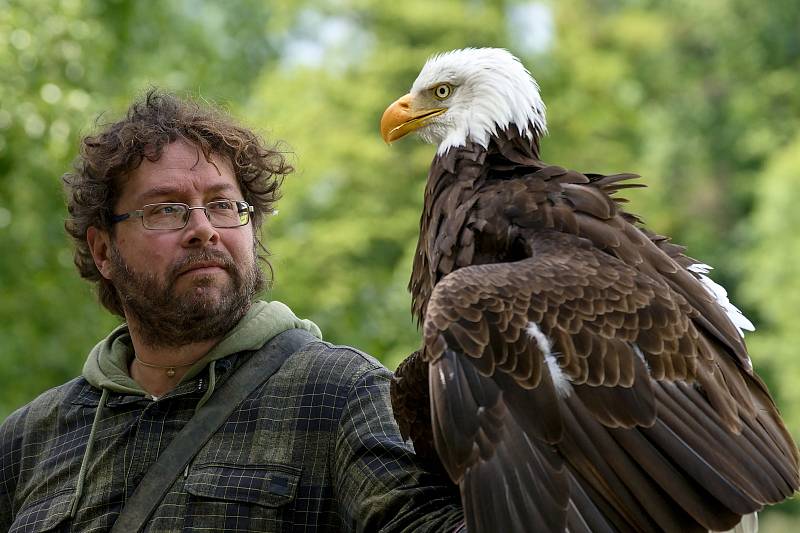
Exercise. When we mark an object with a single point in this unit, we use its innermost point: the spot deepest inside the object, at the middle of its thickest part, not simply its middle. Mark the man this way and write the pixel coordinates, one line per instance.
(165, 207)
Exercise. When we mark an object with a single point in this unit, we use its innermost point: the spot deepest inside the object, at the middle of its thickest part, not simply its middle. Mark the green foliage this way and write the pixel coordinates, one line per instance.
(701, 98)
(71, 62)
(771, 276)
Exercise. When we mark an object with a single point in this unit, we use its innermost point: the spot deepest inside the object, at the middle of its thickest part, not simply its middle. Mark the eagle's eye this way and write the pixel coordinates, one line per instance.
(442, 91)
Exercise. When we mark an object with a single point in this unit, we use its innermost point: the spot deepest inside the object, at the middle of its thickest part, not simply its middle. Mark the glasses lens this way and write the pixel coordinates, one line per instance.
(226, 214)
(164, 216)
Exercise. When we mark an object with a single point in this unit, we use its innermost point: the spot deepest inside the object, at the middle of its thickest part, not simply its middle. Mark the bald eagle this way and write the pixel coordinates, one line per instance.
(578, 371)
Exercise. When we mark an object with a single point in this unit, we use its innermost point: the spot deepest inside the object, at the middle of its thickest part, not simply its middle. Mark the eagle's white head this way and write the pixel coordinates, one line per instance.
(467, 95)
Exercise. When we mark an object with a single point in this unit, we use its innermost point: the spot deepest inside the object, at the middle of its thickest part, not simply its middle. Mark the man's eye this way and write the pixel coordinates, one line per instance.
(165, 210)
(222, 205)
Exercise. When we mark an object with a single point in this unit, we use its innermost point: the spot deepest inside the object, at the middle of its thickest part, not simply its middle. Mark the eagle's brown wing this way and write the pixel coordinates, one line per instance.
(574, 390)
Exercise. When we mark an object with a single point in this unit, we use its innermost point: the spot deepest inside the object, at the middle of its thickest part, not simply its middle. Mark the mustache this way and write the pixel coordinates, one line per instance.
(216, 256)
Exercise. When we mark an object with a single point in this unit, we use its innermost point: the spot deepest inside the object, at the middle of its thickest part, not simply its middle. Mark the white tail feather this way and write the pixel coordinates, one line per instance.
(721, 296)
(748, 524)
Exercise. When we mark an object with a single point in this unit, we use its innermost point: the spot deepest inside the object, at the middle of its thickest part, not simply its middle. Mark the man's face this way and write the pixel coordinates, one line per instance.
(190, 284)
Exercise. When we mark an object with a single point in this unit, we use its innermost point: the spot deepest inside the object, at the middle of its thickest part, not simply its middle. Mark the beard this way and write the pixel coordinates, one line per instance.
(164, 316)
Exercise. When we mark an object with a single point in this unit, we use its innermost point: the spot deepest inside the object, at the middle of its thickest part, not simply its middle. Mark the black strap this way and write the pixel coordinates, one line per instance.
(194, 435)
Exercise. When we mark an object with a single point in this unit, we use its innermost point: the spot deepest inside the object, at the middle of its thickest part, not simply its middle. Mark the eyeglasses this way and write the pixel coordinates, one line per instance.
(173, 215)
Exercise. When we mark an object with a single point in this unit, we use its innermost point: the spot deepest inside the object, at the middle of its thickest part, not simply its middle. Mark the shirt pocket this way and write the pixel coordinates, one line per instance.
(265, 485)
(45, 514)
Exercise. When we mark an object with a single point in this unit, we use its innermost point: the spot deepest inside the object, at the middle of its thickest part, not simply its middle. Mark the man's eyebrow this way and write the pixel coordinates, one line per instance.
(157, 192)
(162, 191)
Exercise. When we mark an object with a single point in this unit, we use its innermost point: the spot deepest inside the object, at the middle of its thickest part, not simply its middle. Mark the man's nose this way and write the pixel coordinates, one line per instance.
(198, 230)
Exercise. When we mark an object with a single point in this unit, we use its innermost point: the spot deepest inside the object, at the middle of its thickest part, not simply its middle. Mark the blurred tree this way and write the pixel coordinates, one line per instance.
(347, 226)
(771, 282)
(64, 63)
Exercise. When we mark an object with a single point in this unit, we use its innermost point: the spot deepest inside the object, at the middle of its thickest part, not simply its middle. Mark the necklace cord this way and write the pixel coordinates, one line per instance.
(170, 369)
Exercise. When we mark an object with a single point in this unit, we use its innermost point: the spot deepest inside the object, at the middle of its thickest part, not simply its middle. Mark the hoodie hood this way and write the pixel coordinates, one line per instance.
(107, 365)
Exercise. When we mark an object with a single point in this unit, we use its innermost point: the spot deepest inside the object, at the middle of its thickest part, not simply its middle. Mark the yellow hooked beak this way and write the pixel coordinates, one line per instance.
(399, 120)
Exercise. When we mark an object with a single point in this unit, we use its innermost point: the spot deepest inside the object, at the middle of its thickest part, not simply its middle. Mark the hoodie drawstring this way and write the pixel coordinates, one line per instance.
(212, 383)
(86, 454)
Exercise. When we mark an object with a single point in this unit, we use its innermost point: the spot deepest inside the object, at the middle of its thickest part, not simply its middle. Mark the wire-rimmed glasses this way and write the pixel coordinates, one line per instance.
(175, 215)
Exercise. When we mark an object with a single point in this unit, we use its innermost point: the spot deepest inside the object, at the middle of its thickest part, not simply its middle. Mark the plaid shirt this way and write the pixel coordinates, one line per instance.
(315, 448)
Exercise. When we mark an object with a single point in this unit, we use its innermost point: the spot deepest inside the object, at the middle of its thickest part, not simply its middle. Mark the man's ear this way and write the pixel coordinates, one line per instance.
(100, 245)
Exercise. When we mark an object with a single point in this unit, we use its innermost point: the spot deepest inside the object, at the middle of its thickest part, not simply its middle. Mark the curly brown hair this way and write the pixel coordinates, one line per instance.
(152, 122)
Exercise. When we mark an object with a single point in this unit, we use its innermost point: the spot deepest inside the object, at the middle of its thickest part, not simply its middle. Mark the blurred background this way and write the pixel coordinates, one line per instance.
(701, 98)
